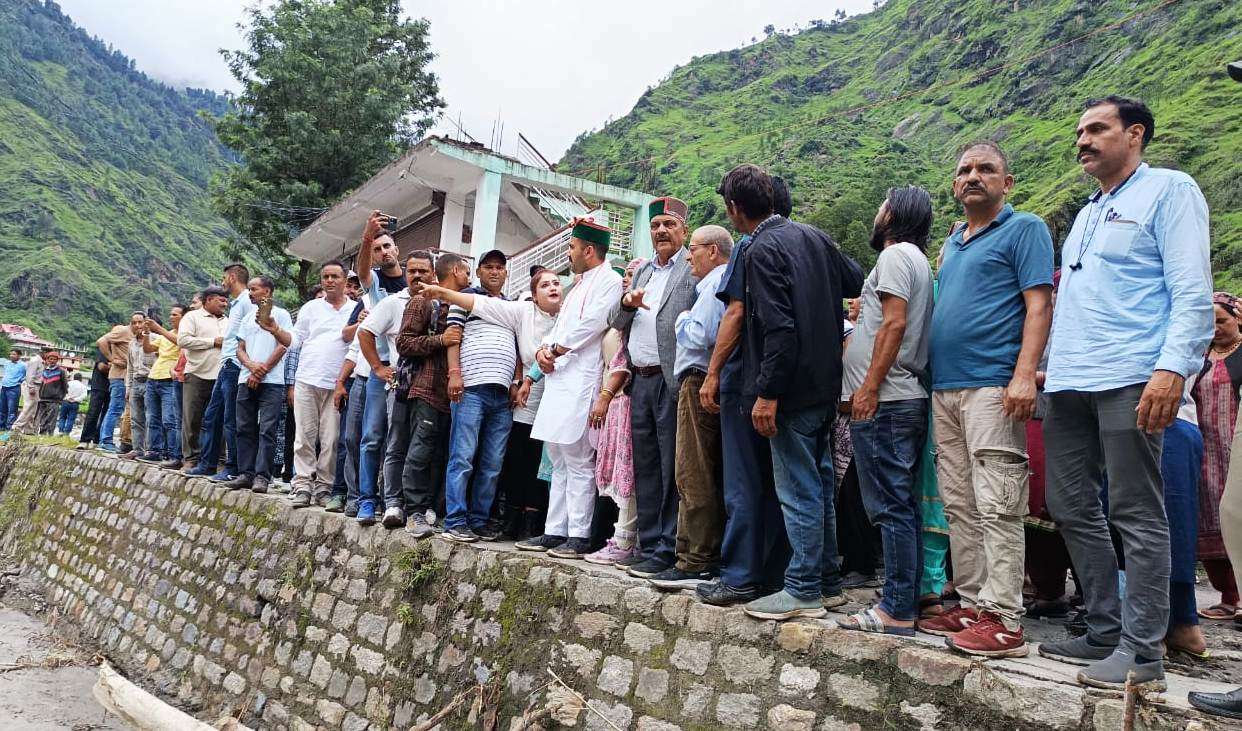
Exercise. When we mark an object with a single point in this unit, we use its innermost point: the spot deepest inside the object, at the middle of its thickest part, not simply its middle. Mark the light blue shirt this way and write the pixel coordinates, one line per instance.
(1136, 286)
(260, 344)
(238, 309)
(696, 327)
(14, 374)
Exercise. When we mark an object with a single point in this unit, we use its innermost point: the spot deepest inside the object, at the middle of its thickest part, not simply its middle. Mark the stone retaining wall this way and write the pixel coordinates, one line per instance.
(235, 603)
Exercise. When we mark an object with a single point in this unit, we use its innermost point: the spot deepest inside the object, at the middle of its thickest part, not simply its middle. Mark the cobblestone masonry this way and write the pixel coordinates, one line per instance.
(235, 603)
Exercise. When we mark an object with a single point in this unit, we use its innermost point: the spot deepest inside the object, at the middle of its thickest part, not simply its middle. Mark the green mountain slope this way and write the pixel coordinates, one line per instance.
(845, 110)
(103, 178)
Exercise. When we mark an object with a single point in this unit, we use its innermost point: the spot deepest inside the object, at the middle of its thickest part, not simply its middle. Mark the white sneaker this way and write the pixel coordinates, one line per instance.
(431, 516)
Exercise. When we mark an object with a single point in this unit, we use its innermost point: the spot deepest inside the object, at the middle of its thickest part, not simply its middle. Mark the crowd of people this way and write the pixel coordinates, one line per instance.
(717, 417)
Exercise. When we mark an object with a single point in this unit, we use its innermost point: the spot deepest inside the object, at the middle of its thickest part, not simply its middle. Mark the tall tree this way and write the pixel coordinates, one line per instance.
(332, 90)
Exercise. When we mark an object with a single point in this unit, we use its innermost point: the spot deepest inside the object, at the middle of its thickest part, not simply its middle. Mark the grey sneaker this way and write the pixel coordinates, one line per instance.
(460, 535)
(418, 526)
(783, 605)
(336, 504)
(1076, 651)
(322, 499)
(1111, 672)
(394, 517)
(301, 499)
(574, 548)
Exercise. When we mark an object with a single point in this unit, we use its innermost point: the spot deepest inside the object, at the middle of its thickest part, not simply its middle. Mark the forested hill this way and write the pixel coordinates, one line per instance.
(103, 180)
(844, 110)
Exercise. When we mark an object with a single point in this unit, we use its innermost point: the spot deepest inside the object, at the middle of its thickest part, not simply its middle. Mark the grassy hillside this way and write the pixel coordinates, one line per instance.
(845, 110)
(103, 176)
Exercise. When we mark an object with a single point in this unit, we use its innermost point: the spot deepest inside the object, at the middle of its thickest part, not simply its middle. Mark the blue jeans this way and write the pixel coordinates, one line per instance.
(373, 433)
(9, 397)
(116, 407)
(351, 434)
(220, 419)
(481, 424)
(163, 418)
(806, 493)
(1181, 459)
(68, 415)
(887, 449)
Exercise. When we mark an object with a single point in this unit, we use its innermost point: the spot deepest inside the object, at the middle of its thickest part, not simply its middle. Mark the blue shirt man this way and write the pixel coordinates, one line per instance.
(14, 374)
(696, 327)
(977, 324)
(1136, 285)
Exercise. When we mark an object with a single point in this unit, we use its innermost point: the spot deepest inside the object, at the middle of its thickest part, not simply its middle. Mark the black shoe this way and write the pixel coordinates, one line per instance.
(574, 548)
(151, 457)
(647, 569)
(674, 578)
(260, 485)
(625, 563)
(534, 520)
(351, 509)
(1048, 609)
(1076, 625)
(170, 464)
(540, 543)
(720, 594)
(487, 532)
(241, 482)
(859, 580)
(1228, 704)
(513, 525)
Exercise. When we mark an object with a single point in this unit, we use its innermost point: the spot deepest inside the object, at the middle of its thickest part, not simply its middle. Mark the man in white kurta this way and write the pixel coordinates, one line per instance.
(572, 350)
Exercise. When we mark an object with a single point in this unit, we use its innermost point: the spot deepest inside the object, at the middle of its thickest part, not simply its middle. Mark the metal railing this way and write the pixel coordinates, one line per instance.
(552, 250)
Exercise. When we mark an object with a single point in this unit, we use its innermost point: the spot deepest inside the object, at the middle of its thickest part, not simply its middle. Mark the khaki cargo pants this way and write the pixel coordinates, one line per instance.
(982, 469)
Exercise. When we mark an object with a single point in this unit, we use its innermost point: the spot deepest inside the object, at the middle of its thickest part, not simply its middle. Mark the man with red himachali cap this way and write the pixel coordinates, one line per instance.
(662, 289)
(571, 359)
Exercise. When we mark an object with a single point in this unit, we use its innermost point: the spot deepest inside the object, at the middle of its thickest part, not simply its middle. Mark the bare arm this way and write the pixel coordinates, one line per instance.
(1018, 401)
(362, 264)
(455, 384)
(887, 345)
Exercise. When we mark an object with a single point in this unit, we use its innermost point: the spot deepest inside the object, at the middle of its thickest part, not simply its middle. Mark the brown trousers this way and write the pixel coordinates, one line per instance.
(700, 483)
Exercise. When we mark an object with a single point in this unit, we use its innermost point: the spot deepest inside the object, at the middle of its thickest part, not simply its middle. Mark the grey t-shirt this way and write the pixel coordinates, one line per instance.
(902, 271)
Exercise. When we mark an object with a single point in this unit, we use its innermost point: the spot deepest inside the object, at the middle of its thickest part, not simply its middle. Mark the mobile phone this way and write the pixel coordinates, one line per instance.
(390, 224)
(265, 310)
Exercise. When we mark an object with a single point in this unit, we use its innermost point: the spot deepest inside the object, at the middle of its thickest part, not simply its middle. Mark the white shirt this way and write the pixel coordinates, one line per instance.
(384, 322)
(362, 369)
(77, 391)
(318, 334)
(570, 390)
(260, 344)
(644, 351)
(531, 325)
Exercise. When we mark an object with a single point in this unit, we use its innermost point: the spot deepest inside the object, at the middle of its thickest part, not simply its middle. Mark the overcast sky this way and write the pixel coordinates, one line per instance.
(549, 68)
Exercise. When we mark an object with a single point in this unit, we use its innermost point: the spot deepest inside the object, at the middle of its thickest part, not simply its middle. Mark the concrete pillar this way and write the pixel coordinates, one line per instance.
(486, 214)
(640, 237)
(454, 217)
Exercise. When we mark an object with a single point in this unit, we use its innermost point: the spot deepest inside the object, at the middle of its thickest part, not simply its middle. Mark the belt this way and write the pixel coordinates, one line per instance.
(648, 371)
(692, 372)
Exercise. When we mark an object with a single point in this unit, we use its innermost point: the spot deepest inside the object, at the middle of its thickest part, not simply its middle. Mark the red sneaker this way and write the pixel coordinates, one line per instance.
(950, 623)
(988, 637)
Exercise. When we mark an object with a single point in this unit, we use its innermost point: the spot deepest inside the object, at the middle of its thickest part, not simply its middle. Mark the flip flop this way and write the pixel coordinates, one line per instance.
(868, 621)
(1205, 655)
(1219, 612)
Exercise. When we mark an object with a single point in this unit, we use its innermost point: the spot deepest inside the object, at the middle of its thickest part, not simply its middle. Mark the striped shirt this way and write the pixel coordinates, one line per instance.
(488, 350)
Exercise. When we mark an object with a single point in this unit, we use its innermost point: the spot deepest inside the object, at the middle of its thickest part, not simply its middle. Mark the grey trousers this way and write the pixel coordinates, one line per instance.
(136, 393)
(1088, 435)
(653, 429)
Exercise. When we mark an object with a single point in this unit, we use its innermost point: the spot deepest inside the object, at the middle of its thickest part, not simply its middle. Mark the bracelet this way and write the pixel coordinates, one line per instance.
(452, 371)
(608, 391)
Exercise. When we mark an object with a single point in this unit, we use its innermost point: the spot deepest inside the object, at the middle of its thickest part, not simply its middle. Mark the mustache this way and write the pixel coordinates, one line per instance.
(1087, 151)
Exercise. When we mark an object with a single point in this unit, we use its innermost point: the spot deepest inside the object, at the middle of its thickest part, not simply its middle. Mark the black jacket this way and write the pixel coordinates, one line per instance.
(796, 279)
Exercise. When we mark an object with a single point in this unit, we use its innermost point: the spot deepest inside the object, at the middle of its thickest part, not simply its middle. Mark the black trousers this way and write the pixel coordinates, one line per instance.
(653, 429)
(519, 475)
(857, 539)
(415, 456)
(258, 411)
(95, 411)
(290, 430)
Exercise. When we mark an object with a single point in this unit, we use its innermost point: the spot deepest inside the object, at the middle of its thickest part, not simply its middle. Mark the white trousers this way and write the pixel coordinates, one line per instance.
(314, 439)
(572, 498)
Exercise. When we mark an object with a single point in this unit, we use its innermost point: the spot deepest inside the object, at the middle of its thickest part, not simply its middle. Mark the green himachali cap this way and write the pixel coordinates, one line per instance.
(592, 232)
(668, 206)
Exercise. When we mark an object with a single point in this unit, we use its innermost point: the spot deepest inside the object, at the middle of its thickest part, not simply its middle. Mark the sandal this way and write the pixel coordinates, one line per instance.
(868, 621)
(1219, 612)
(1205, 655)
